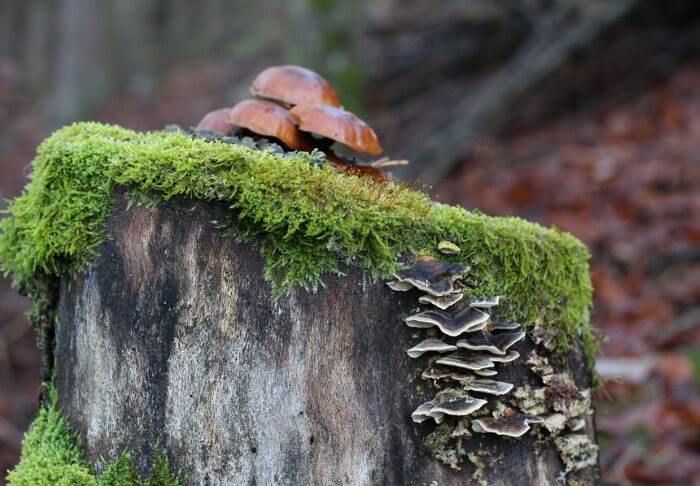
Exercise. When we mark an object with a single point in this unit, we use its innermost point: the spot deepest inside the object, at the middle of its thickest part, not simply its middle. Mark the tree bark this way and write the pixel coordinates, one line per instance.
(173, 341)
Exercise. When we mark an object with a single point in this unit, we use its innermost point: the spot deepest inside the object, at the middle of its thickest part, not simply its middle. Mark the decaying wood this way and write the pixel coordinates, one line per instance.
(173, 340)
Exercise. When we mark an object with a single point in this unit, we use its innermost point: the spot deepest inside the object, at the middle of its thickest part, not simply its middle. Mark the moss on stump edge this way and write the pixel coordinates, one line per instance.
(52, 454)
(310, 220)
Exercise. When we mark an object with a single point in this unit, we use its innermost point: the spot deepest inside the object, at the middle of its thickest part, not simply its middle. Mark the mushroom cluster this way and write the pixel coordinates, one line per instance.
(300, 109)
(463, 343)
(464, 346)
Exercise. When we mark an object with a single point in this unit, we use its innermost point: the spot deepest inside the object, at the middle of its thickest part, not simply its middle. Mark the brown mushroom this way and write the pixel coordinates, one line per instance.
(268, 119)
(294, 85)
(339, 125)
(216, 121)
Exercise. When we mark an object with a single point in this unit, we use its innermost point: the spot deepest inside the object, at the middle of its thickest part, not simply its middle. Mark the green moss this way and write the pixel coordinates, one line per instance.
(311, 220)
(52, 455)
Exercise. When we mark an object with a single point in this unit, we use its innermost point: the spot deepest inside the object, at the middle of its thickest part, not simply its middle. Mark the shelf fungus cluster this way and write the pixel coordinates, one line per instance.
(300, 111)
(464, 347)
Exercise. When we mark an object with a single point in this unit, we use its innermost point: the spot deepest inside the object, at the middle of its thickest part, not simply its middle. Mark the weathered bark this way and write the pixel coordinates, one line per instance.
(173, 340)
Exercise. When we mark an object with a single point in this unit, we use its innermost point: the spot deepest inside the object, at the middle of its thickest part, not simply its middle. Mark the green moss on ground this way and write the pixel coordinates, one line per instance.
(52, 455)
(311, 220)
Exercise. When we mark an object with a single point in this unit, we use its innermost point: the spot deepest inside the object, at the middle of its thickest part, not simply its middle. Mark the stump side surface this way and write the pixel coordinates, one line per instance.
(173, 340)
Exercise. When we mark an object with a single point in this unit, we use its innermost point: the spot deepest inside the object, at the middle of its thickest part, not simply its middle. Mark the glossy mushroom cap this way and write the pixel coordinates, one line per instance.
(294, 85)
(216, 121)
(339, 125)
(268, 119)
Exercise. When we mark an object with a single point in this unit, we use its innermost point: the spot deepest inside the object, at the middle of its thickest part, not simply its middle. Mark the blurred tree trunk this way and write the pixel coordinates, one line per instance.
(82, 64)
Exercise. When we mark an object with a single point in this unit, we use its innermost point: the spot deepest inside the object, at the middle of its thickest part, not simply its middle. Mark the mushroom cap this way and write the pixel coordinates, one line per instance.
(268, 119)
(399, 286)
(436, 372)
(339, 125)
(485, 372)
(503, 326)
(428, 345)
(493, 343)
(444, 301)
(514, 425)
(450, 401)
(492, 387)
(294, 85)
(466, 320)
(216, 121)
(465, 361)
(506, 358)
(432, 276)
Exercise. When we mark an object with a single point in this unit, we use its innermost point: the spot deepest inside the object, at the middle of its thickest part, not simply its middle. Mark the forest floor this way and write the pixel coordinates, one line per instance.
(623, 178)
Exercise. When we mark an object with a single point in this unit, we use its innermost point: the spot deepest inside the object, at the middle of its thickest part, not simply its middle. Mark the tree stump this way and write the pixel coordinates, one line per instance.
(173, 341)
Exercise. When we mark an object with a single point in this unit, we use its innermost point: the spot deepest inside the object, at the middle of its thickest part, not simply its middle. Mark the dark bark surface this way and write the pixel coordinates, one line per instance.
(173, 340)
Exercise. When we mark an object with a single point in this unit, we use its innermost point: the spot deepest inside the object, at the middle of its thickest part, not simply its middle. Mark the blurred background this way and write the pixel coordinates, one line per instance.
(583, 115)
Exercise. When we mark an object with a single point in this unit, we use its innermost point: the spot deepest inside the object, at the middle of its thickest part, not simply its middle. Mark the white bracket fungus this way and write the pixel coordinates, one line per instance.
(444, 301)
(432, 276)
(515, 425)
(451, 401)
(466, 320)
(431, 344)
(493, 343)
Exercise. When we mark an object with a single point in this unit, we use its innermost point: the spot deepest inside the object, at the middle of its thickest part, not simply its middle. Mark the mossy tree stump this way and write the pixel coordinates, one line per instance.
(173, 339)
(162, 333)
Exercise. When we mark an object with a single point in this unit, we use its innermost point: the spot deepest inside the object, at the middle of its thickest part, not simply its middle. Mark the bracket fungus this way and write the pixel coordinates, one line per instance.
(428, 345)
(498, 326)
(451, 401)
(466, 320)
(216, 121)
(434, 372)
(444, 301)
(338, 125)
(294, 85)
(466, 361)
(493, 343)
(490, 387)
(267, 118)
(399, 286)
(472, 360)
(432, 276)
(485, 372)
(510, 425)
